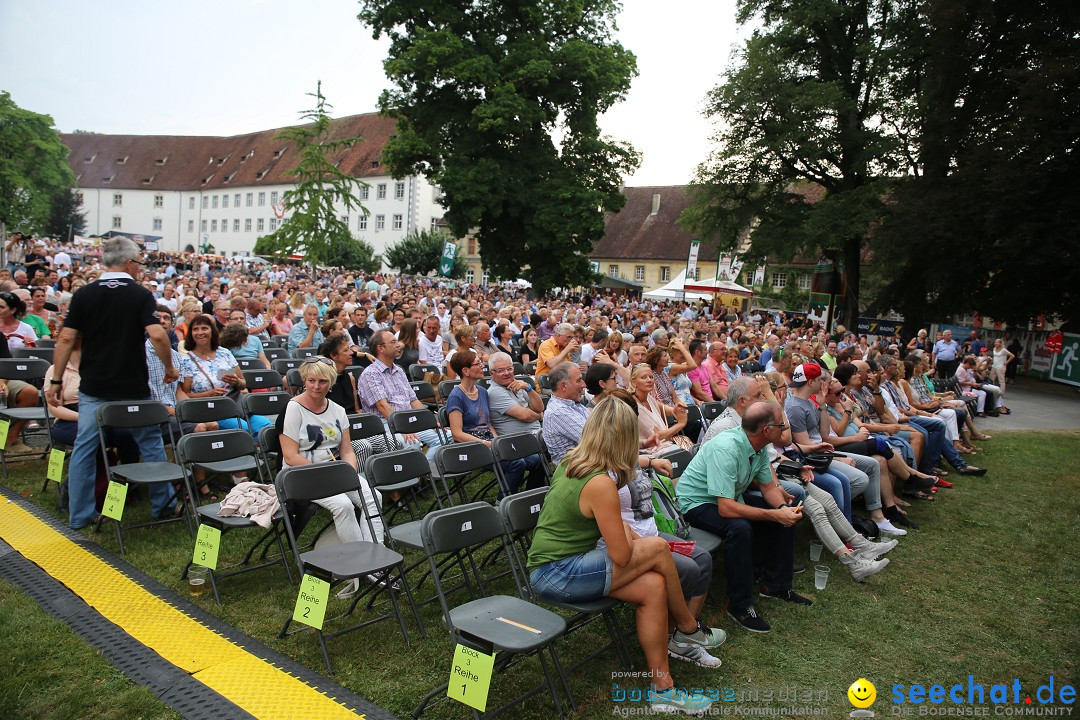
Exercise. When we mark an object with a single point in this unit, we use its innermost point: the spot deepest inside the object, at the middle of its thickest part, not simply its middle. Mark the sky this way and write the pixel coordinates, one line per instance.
(237, 66)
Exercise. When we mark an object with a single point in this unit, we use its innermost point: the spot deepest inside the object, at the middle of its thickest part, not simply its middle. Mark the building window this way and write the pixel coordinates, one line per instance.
(247, 224)
(639, 273)
(804, 281)
(613, 271)
(665, 273)
(273, 197)
(471, 243)
(191, 203)
(779, 280)
(399, 191)
(259, 225)
(248, 198)
(345, 220)
(380, 222)
(157, 223)
(213, 226)
(205, 202)
(159, 201)
(116, 222)
(262, 199)
(380, 192)
(214, 202)
(361, 222)
(202, 226)
(484, 278)
(117, 200)
(696, 275)
(236, 200)
(365, 192)
(273, 224)
(397, 222)
(224, 201)
(78, 198)
(224, 226)
(236, 225)
(470, 276)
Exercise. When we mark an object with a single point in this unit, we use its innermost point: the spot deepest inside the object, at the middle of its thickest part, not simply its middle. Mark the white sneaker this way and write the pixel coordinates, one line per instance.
(678, 700)
(887, 527)
(694, 654)
(873, 550)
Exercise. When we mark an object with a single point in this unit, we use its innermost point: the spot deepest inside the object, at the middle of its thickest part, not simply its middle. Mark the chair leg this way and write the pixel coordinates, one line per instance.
(412, 603)
(284, 559)
(325, 652)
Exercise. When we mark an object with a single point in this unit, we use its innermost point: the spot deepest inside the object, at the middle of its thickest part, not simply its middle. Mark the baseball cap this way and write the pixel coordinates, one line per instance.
(805, 373)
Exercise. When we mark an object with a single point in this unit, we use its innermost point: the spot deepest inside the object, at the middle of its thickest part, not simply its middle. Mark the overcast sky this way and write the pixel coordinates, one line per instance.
(236, 66)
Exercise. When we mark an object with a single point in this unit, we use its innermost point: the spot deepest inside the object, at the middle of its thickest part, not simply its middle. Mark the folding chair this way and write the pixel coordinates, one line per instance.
(262, 380)
(519, 369)
(294, 381)
(339, 563)
(250, 364)
(304, 353)
(225, 449)
(530, 368)
(517, 446)
(268, 404)
(41, 353)
(711, 410)
(520, 513)
(417, 371)
(445, 387)
(276, 341)
(30, 370)
(46, 343)
(678, 458)
(460, 463)
(526, 378)
(425, 393)
(210, 409)
(666, 500)
(274, 353)
(139, 414)
(284, 364)
(490, 623)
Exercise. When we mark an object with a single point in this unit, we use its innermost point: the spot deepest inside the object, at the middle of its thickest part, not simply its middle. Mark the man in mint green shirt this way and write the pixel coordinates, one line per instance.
(710, 494)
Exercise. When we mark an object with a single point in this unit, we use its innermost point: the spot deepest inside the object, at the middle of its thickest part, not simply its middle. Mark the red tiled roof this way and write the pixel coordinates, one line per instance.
(173, 162)
(635, 233)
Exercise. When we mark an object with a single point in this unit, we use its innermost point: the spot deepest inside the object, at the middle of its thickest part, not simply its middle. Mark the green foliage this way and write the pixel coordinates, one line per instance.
(33, 167)
(313, 226)
(66, 216)
(420, 252)
(497, 104)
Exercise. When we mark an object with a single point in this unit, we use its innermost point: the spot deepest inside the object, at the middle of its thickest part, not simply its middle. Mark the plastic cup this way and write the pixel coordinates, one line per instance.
(815, 551)
(197, 580)
(821, 576)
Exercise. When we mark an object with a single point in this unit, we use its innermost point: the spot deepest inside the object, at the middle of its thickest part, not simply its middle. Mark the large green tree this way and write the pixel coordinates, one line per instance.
(419, 253)
(33, 167)
(312, 225)
(66, 216)
(803, 148)
(497, 103)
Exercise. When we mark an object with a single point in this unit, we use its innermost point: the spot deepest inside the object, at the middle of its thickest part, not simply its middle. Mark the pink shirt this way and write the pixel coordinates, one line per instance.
(701, 376)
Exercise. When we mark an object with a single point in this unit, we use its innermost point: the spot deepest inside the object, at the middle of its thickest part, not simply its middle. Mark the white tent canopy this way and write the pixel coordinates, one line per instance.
(674, 291)
(720, 286)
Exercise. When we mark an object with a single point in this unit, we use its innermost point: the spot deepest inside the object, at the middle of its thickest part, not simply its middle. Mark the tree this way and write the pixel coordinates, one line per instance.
(497, 104)
(804, 153)
(33, 167)
(313, 225)
(420, 252)
(66, 216)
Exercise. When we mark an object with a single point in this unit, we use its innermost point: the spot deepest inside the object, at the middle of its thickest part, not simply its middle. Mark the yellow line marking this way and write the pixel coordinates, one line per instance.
(254, 684)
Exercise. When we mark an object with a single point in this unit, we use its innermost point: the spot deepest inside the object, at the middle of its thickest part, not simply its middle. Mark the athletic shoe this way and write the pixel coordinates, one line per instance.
(702, 637)
(797, 568)
(789, 596)
(678, 700)
(887, 527)
(694, 654)
(875, 550)
(860, 567)
(750, 620)
(971, 470)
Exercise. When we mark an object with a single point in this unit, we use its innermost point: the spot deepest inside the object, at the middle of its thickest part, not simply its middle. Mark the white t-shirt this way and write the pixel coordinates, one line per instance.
(15, 339)
(317, 434)
(431, 352)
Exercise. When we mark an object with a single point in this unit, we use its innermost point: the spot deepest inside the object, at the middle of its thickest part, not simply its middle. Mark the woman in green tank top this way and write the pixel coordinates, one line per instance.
(581, 507)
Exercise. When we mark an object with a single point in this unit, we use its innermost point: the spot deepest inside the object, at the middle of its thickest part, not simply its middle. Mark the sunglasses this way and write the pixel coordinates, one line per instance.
(318, 359)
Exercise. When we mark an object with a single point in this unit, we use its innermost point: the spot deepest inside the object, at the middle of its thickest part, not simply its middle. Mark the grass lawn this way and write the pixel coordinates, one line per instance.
(987, 587)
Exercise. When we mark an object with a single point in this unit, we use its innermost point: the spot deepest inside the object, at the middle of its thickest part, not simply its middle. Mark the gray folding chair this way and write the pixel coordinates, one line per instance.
(41, 353)
(30, 370)
(262, 380)
(517, 446)
(304, 353)
(417, 371)
(461, 463)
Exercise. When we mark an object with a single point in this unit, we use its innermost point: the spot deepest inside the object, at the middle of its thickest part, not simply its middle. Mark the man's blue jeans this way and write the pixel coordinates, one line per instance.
(514, 471)
(82, 471)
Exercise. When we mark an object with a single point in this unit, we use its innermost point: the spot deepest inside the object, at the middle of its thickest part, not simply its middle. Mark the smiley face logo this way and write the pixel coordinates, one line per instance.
(862, 693)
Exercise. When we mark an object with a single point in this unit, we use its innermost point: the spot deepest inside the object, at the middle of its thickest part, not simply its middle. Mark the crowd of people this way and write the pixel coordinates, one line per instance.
(813, 418)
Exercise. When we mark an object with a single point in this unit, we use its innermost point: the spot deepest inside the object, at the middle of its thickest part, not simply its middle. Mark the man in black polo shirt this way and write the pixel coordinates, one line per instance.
(111, 316)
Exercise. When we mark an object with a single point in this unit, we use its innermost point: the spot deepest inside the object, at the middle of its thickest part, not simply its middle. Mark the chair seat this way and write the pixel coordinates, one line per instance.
(149, 472)
(234, 465)
(352, 559)
(211, 513)
(30, 413)
(408, 534)
(479, 618)
(709, 543)
(591, 607)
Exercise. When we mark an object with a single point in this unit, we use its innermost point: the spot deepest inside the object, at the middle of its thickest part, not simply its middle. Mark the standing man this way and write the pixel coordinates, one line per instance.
(111, 316)
(946, 355)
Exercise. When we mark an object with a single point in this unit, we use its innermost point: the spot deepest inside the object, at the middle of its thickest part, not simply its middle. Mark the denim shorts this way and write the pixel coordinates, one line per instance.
(578, 578)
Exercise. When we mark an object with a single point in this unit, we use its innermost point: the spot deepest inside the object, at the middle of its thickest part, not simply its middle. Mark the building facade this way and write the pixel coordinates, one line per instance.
(226, 192)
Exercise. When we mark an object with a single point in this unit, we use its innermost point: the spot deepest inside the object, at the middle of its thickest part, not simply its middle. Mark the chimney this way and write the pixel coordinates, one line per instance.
(655, 203)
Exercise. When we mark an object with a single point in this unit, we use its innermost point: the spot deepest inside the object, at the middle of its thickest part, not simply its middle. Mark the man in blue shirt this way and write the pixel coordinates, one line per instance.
(946, 357)
(711, 496)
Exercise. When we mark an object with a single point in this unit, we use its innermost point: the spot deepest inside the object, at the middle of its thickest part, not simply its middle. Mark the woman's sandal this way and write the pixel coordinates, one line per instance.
(920, 495)
(982, 436)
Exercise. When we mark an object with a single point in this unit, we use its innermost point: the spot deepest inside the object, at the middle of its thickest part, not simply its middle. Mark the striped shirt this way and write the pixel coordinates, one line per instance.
(379, 382)
(563, 422)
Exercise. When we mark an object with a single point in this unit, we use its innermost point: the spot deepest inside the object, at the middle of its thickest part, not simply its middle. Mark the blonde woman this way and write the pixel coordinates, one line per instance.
(565, 564)
(465, 335)
(654, 433)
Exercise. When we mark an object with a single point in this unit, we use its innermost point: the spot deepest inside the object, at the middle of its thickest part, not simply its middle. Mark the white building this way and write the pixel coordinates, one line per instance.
(227, 191)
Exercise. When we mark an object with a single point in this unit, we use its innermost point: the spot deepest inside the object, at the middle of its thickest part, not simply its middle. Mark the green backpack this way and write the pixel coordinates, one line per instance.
(668, 518)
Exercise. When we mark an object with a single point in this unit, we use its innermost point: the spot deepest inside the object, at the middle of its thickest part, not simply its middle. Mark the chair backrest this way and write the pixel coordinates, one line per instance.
(270, 444)
(262, 379)
(711, 410)
(41, 353)
(396, 467)
(200, 410)
(315, 482)
(214, 446)
(46, 343)
(273, 352)
(425, 391)
(521, 511)
(530, 368)
(679, 459)
(516, 446)
(23, 368)
(544, 381)
(519, 369)
(413, 421)
(302, 353)
(460, 527)
(365, 425)
(295, 381)
(250, 363)
(526, 378)
(277, 341)
(418, 370)
(130, 413)
(268, 403)
(446, 386)
(693, 412)
(461, 458)
(539, 433)
(284, 364)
